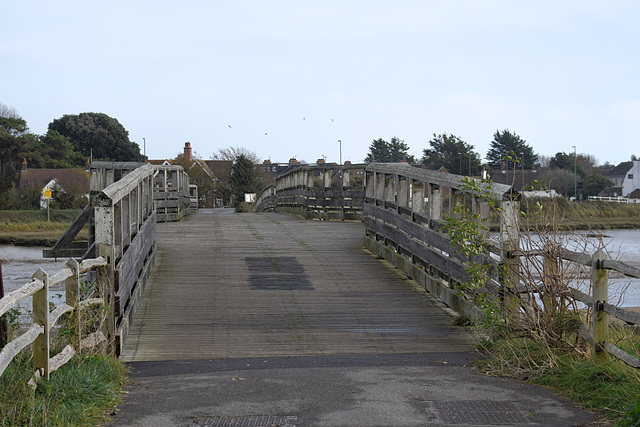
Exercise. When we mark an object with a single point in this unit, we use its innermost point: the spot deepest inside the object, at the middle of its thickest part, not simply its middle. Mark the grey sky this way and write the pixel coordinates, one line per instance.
(292, 78)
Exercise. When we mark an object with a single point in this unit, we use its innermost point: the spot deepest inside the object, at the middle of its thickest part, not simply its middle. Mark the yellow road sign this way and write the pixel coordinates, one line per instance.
(47, 193)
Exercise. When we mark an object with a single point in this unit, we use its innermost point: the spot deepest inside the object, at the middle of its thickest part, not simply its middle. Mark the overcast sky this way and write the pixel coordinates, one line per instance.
(291, 78)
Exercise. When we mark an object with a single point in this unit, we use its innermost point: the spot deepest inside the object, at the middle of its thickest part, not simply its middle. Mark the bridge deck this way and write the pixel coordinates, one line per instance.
(232, 285)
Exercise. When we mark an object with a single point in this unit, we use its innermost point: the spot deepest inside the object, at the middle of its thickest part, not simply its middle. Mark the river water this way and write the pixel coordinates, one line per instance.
(19, 263)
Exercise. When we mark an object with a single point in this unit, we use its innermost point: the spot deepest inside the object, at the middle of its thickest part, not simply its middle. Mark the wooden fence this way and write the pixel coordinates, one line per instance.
(39, 331)
(325, 191)
(404, 211)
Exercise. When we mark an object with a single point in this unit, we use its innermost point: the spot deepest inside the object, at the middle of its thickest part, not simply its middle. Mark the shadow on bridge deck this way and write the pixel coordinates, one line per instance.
(232, 285)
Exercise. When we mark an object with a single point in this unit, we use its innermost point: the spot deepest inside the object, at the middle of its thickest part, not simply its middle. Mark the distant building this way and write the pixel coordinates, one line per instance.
(631, 180)
(618, 174)
(67, 180)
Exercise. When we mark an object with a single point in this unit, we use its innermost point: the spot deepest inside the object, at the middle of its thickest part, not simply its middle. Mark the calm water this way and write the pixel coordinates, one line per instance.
(19, 264)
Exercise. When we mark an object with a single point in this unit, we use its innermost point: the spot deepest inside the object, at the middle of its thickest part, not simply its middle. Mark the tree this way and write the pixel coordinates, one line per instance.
(562, 181)
(456, 155)
(566, 162)
(12, 138)
(232, 154)
(382, 151)
(508, 145)
(98, 135)
(244, 178)
(593, 185)
(51, 151)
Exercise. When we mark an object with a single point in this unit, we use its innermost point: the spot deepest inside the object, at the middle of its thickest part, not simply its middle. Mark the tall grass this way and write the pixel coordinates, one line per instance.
(80, 393)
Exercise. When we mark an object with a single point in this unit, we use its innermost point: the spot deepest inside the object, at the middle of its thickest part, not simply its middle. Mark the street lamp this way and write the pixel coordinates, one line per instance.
(340, 141)
(469, 163)
(460, 170)
(575, 175)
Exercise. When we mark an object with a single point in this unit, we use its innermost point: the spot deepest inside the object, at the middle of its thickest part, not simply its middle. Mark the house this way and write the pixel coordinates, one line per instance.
(73, 181)
(631, 179)
(200, 174)
(618, 174)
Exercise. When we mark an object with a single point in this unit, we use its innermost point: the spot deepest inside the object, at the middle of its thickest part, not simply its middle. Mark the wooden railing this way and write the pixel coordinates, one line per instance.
(124, 240)
(172, 193)
(326, 191)
(403, 216)
(38, 332)
(125, 235)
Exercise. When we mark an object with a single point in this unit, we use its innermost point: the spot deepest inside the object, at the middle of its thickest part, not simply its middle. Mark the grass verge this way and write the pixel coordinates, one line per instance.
(610, 389)
(83, 393)
(31, 228)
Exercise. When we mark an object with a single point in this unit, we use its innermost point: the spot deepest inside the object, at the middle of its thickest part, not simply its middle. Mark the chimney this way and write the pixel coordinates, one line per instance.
(348, 162)
(293, 161)
(24, 164)
(187, 151)
(321, 161)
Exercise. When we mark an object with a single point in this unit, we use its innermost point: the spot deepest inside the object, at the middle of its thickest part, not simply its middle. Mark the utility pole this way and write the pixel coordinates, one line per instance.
(575, 175)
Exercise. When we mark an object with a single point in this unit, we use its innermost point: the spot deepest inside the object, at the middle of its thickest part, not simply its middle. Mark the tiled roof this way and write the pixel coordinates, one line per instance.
(66, 178)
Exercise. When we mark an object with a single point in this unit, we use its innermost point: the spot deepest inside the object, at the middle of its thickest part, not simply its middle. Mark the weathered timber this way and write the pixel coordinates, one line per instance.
(268, 285)
(62, 247)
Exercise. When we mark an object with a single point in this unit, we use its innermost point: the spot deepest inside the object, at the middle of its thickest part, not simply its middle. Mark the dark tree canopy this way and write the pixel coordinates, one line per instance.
(509, 144)
(98, 135)
(393, 151)
(569, 162)
(13, 135)
(593, 185)
(456, 155)
(244, 178)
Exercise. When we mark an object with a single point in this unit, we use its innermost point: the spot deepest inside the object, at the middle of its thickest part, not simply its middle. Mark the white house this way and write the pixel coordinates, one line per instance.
(632, 179)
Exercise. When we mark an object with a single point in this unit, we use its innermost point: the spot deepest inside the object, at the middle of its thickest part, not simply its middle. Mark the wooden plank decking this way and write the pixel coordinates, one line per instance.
(230, 285)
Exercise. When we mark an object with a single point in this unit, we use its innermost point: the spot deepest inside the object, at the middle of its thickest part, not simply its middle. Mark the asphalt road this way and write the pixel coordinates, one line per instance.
(382, 390)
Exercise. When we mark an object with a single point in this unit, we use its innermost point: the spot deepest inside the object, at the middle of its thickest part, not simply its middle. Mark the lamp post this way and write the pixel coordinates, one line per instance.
(575, 175)
(340, 141)
(469, 163)
(460, 170)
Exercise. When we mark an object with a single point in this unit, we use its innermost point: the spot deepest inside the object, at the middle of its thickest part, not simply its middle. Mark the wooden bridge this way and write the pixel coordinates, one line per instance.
(230, 285)
(266, 284)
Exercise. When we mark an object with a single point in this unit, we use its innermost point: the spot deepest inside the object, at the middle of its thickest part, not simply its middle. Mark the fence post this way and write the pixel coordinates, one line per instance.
(106, 280)
(72, 295)
(41, 317)
(600, 297)
(510, 242)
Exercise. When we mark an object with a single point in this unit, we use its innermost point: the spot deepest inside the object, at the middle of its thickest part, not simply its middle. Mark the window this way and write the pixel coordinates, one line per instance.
(630, 176)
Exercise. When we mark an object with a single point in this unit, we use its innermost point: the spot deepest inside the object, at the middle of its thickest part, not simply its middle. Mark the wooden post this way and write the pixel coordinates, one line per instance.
(600, 297)
(435, 202)
(106, 280)
(403, 192)
(41, 317)
(417, 198)
(72, 295)
(510, 242)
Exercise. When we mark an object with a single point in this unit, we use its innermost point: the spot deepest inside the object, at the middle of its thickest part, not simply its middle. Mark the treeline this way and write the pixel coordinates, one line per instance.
(508, 151)
(69, 142)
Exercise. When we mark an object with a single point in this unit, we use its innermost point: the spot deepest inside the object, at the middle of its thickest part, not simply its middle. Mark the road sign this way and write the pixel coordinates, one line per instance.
(47, 193)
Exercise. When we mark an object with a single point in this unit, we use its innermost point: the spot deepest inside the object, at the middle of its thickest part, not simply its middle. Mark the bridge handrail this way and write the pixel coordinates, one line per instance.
(38, 333)
(403, 217)
(325, 191)
(172, 202)
(125, 234)
(265, 199)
